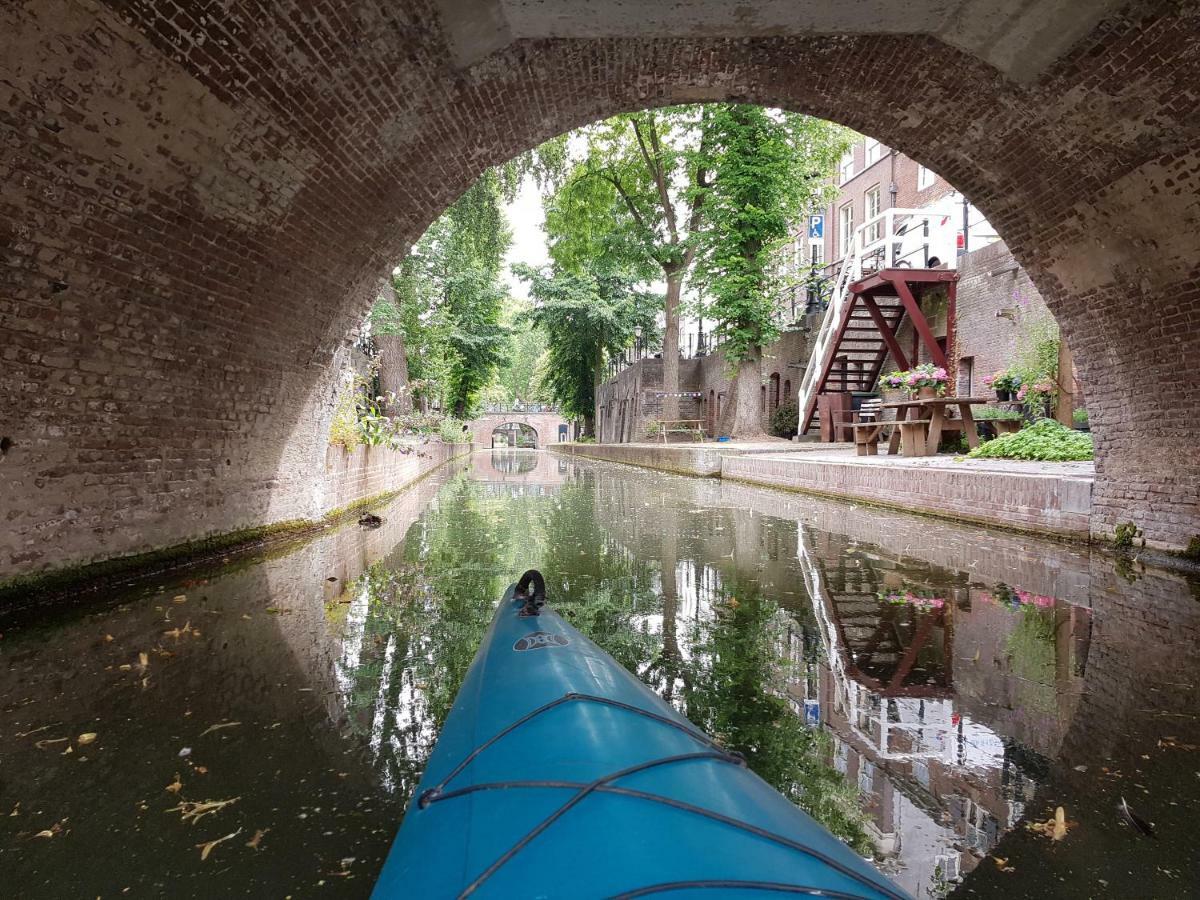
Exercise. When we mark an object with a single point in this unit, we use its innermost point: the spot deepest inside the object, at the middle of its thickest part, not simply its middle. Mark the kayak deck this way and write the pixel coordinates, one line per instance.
(559, 774)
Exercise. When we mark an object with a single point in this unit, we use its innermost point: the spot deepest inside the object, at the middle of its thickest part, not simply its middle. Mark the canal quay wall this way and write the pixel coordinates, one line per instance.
(1052, 499)
(350, 481)
(702, 460)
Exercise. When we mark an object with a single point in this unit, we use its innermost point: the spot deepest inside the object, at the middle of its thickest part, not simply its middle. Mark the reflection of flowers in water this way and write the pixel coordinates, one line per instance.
(908, 598)
(1014, 598)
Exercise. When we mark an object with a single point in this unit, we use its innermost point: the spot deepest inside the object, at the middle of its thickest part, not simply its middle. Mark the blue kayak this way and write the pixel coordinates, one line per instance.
(559, 774)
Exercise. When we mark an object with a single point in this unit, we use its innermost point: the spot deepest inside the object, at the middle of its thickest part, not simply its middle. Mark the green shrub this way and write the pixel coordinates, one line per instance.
(785, 420)
(996, 414)
(1045, 440)
(451, 431)
(1080, 417)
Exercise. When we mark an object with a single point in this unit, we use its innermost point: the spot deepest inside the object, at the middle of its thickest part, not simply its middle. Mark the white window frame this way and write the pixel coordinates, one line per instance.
(846, 166)
(874, 151)
(925, 177)
(845, 227)
(876, 230)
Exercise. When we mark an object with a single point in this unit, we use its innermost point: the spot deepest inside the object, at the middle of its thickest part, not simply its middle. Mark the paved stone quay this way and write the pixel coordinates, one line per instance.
(1039, 497)
(703, 458)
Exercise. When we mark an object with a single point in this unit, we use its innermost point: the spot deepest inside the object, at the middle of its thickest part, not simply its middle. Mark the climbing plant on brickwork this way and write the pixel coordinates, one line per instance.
(767, 169)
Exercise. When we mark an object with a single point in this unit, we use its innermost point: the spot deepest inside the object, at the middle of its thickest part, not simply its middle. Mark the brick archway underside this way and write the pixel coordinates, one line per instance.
(198, 199)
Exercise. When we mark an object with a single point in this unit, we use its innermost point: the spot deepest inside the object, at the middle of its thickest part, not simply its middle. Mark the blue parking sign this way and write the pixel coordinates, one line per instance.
(816, 226)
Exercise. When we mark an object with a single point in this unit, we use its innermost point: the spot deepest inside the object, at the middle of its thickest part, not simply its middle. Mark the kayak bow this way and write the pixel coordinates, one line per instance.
(559, 774)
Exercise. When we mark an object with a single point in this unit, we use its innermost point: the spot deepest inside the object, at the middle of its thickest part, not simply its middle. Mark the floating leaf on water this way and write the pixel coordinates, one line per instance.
(207, 847)
(47, 833)
(143, 660)
(198, 809)
(43, 744)
(86, 738)
(185, 752)
(108, 638)
(174, 787)
(218, 727)
(179, 598)
(257, 839)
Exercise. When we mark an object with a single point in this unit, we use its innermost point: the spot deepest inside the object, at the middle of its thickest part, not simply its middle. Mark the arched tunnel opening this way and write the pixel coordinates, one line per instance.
(176, 233)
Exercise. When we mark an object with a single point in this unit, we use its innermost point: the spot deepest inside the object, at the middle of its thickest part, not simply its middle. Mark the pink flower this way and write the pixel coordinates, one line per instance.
(939, 373)
(987, 380)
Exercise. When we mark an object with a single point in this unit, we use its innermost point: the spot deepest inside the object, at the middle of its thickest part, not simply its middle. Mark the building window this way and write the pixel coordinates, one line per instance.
(847, 165)
(846, 227)
(870, 211)
(925, 178)
(816, 255)
(874, 151)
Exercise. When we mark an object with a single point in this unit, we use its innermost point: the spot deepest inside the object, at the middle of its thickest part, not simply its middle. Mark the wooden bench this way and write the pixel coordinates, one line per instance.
(682, 426)
(868, 426)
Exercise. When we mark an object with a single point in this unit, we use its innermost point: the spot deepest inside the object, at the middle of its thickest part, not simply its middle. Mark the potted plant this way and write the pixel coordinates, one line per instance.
(926, 381)
(1005, 384)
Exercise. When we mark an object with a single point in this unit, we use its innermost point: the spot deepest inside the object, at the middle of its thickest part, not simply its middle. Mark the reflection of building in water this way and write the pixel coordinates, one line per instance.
(909, 656)
(500, 468)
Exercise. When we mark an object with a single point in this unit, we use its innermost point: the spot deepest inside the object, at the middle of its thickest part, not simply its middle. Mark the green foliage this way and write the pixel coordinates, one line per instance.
(451, 431)
(1080, 417)
(449, 296)
(631, 197)
(767, 169)
(786, 419)
(1045, 440)
(584, 316)
(739, 698)
(520, 374)
(995, 413)
(1124, 535)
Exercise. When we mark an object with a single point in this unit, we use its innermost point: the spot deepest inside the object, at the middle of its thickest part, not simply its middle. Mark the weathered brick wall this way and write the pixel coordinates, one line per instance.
(364, 472)
(198, 202)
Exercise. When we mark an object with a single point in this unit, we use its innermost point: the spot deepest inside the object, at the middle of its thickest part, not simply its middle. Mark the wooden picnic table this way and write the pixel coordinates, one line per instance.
(932, 427)
(694, 427)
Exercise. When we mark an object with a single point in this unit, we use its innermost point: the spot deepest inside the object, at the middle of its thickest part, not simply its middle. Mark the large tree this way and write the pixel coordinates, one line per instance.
(585, 316)
(449, 295)
(637, 195)
(767, 169)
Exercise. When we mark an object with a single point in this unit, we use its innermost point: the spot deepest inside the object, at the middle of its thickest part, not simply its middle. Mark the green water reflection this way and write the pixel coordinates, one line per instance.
(425, 609)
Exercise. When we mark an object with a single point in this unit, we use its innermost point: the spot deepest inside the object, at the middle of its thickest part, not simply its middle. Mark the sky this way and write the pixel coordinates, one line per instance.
(529, 241)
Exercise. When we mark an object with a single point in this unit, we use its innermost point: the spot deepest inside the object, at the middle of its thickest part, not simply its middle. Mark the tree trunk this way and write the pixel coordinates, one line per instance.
(670, 351)
(742, 417)
(393, 372)
(589, 422)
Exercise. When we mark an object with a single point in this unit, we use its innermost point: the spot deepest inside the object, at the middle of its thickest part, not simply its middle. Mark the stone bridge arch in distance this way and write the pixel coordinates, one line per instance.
(547, 425)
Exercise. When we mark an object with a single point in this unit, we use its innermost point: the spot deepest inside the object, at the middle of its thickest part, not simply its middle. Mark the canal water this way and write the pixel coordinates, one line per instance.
(933, 693)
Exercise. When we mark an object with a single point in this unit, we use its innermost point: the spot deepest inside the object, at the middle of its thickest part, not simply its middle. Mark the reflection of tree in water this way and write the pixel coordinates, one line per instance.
(738, 696)
(426, 608)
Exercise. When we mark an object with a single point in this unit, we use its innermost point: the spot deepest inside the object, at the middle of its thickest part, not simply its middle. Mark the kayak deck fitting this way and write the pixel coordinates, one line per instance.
(559, 774)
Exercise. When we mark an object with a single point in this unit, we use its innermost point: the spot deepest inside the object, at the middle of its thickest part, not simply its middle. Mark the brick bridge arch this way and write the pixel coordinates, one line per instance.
(545, 424)
(196, 207)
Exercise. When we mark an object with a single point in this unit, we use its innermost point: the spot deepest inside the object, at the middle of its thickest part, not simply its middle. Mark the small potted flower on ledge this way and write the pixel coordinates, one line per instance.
(926, 381)
(1005, 384)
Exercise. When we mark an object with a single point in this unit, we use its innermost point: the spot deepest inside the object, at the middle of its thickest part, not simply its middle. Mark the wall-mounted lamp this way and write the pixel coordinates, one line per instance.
(1007, 312)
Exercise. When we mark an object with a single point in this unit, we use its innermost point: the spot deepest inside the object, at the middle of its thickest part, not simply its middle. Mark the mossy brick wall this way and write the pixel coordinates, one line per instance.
(198, 202)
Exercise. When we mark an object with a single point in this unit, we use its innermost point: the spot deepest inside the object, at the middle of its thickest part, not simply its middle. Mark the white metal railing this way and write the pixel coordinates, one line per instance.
(896, 238)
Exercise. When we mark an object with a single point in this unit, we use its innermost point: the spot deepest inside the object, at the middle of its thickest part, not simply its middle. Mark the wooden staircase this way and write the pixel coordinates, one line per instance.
(876, 290)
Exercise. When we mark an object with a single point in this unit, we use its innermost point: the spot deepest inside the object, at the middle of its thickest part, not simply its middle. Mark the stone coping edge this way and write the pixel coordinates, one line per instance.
(54, 584)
